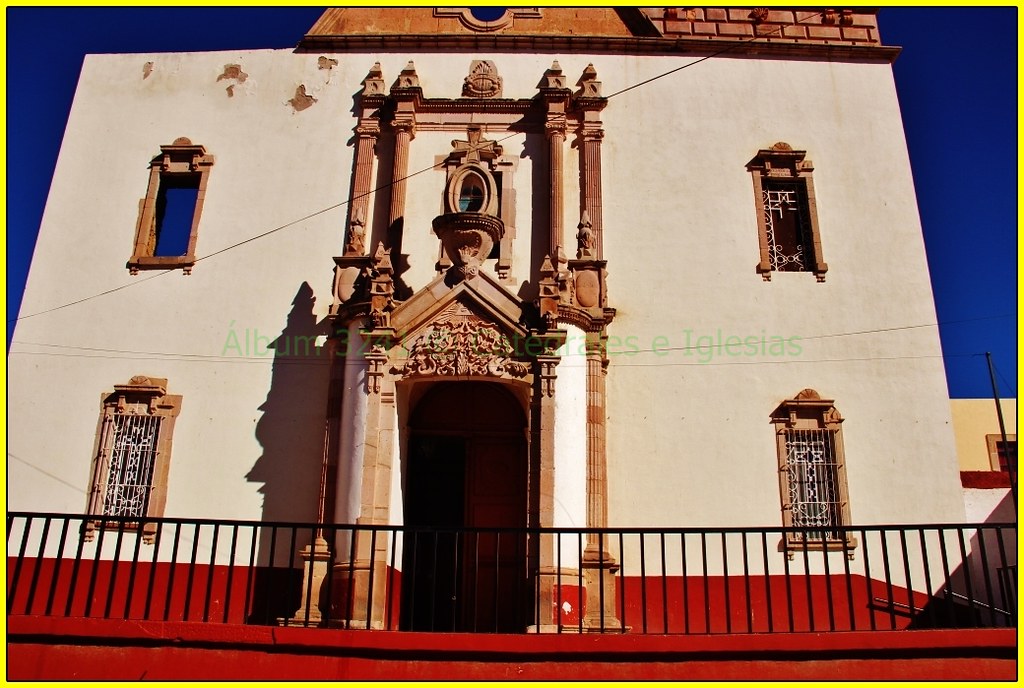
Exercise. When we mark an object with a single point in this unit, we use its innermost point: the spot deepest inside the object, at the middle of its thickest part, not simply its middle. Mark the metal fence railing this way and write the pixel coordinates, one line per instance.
(654, 581)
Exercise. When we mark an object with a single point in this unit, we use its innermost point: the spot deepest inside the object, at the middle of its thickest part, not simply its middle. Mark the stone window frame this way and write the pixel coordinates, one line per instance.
(991, 445)
(177, 159)
(808, 411)
(147, 396)
(782, 162)
(467, 173)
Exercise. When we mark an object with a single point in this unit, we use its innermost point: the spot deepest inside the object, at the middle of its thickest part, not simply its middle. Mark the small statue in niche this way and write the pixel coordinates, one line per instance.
(356, 234)
(585, 238)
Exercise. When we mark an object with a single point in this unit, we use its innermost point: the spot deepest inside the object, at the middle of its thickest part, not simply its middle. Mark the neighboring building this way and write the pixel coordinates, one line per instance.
(985, 461)
(508, 277)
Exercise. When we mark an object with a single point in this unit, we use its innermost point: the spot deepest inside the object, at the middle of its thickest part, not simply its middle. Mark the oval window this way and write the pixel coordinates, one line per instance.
(471, 195)
(487, 14)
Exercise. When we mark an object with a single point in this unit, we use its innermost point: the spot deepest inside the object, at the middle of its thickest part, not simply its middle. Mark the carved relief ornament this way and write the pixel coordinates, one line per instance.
(461, 344)
(483, 81)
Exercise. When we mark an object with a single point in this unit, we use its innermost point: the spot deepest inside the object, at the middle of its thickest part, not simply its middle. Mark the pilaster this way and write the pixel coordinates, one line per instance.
(599, 566)
(555, 97)
(370, 100)
(589, 103)
(406, 93)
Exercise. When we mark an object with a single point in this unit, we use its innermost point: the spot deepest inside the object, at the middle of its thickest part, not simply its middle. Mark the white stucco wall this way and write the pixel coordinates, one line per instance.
(689, 442)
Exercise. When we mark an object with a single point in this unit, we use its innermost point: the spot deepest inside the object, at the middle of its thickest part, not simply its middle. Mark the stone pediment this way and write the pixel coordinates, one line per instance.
(471, 330)
(481, 296)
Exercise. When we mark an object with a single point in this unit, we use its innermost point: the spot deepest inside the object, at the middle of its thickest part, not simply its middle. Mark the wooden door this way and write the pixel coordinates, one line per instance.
(494, 569)
(466, 469)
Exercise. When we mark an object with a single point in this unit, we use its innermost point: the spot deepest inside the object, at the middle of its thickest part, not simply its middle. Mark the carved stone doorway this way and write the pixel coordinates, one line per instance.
(466, 468)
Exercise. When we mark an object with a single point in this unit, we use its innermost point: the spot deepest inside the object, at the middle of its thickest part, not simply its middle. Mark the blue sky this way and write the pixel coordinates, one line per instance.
(956, 77)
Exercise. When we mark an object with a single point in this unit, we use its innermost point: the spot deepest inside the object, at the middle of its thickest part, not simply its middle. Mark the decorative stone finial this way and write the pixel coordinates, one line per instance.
(407, 78)
(553, 77)
(381, 288)
(382, 259)
(590, 87)
(547, 269)
(373, 83)
(548, 298)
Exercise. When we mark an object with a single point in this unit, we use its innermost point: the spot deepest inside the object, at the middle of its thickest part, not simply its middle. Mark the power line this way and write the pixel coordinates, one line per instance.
(31, 465)
(802, 338)
(387, 185)
(714, 54)
(309, 339)
(1010, 387)
(170, 357)
(617, 357)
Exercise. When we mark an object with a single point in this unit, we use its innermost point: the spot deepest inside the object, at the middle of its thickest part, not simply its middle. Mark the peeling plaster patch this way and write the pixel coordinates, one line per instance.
(326, 62)
(233, 71)
(302, 100)
(147, 69)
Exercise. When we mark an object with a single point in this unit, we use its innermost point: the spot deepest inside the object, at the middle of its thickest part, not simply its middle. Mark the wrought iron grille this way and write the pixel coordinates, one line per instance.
(785, 243)
(814, 482)
(132, 456)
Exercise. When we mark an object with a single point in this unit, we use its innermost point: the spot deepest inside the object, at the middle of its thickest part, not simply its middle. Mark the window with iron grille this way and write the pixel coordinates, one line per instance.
(790, 245)
(813, 475)
(130, 470)
(132, 456)
(812, 472)
(787, 218)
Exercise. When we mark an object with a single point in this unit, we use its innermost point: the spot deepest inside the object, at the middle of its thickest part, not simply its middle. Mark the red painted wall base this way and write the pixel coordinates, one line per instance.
(49, 648)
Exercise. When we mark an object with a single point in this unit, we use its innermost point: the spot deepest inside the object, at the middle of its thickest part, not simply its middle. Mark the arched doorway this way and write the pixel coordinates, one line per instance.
(465, 469)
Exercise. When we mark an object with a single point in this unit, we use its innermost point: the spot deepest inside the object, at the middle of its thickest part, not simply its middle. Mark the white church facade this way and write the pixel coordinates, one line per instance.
(435, 271)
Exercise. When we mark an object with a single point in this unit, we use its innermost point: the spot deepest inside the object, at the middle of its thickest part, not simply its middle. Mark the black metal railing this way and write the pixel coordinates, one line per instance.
(637, 580)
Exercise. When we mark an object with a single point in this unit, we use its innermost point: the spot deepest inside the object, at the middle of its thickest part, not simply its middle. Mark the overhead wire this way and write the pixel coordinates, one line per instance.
(293, 339)
(292, 223)
(380, 188)
(1010, 387)
(285, 360)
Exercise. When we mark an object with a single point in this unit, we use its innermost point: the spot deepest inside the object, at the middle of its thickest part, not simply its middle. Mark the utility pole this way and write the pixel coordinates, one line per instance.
(1011, 456)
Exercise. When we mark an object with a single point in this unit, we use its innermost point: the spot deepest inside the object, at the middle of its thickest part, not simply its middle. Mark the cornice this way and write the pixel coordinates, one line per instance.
(598, 44)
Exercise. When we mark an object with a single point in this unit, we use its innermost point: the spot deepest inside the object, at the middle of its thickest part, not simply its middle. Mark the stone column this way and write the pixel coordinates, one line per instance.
(592, 135)
(544, 441)
(589, 103)
(406, 93)
(360, 578)
(555, 97)
(556, 210)
(597, 479)
(399, 171)
(543, 483)
(599, 566)
(371, 99)
(359, 204)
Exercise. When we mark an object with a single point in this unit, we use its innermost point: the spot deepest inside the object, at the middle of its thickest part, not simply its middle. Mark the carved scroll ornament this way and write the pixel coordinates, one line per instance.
(461, 344)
